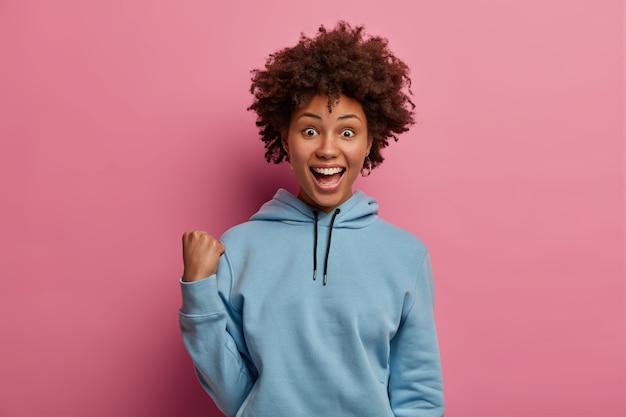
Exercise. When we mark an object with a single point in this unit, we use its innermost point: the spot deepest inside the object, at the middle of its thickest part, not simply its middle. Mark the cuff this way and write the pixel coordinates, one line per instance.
(200, 297)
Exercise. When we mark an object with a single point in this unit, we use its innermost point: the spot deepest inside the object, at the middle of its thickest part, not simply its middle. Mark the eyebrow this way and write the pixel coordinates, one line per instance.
(311, 115)
(343, 117)
(349, 116)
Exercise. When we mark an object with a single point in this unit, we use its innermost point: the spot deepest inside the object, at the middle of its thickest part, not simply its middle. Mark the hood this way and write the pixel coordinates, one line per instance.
(357, 212)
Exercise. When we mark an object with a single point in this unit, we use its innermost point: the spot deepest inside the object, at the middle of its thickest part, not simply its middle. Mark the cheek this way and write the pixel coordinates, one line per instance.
(299, 159)
(358, 155)
(300, 150)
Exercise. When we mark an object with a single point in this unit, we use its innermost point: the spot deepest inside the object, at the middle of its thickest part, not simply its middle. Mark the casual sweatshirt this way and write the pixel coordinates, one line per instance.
(315, 314)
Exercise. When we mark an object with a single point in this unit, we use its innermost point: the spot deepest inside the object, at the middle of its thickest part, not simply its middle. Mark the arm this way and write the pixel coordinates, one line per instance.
(211, 329)
(415, 381)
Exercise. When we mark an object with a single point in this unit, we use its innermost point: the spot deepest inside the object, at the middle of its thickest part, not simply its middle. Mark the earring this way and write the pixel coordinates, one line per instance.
(367, 167)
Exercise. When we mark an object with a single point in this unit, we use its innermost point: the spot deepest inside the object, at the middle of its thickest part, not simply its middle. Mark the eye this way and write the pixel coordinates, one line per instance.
(347, 133)
(309, 131)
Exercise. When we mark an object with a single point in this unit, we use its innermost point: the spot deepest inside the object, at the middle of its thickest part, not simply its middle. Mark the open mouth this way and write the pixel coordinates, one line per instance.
(328, 177)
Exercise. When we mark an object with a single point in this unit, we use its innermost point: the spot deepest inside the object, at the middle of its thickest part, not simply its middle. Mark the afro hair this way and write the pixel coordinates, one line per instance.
(335, 62)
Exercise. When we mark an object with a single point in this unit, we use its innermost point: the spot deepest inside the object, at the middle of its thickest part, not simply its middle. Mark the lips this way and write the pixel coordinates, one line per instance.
(328, 178)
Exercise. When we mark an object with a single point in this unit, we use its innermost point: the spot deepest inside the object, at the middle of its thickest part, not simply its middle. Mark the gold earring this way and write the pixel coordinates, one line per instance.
(367, 167)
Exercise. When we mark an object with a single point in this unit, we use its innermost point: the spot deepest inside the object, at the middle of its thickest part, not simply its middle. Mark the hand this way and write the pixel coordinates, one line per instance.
(201, 254)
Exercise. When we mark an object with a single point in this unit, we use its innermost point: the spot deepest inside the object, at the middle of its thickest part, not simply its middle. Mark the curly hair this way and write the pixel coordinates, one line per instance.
(335, 62)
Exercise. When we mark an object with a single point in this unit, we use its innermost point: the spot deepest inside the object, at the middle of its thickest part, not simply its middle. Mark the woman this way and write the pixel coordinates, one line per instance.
(316, 306)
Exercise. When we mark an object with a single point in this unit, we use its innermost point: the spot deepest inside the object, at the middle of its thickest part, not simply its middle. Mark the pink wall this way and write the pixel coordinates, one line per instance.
(124, 123)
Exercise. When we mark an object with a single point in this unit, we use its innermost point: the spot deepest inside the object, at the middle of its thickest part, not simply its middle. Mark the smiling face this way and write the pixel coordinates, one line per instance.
(327, 149)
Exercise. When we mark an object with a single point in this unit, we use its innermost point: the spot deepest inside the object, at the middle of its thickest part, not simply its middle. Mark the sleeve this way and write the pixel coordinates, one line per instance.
(211, 331)
(415, 378)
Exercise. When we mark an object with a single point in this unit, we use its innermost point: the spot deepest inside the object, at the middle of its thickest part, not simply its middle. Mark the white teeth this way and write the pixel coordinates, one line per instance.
(328, 171)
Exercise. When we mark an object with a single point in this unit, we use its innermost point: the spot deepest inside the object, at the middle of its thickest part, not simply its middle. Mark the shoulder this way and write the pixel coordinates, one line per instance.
(249, 234)
(243, 232)
(397, 237)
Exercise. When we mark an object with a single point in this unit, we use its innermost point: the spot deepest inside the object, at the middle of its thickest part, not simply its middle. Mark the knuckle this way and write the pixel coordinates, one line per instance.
(198, 234)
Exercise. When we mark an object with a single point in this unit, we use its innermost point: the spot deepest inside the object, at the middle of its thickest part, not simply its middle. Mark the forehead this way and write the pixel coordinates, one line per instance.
(318, 106)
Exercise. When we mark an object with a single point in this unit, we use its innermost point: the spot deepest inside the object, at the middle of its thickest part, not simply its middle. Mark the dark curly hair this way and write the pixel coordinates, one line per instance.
(335, 62)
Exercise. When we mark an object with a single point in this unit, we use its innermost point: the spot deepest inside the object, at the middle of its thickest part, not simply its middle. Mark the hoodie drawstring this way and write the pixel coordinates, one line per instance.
(315, 213)
(330, 234)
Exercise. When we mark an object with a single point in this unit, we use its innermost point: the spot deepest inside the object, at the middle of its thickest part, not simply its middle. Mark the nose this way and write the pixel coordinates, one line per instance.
(327, 148)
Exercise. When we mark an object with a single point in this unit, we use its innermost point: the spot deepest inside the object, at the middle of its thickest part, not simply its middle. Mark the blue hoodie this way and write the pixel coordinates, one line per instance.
(316, 314)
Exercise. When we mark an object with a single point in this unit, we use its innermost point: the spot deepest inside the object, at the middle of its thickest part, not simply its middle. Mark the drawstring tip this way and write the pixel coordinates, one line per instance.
(314, 275)
(324, 279)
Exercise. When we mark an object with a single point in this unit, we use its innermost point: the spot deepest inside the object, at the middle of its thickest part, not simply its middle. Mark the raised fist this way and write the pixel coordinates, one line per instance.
(201, 254)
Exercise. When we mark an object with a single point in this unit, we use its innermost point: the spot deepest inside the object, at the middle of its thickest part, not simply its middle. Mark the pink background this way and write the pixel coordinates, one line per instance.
(124, 123)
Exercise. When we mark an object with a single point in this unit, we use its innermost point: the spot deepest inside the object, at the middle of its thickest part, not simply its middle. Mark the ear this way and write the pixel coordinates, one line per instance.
(283, 140)
(369, 144)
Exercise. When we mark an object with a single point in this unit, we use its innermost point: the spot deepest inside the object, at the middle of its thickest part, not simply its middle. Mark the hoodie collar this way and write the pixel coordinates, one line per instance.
(359, 211)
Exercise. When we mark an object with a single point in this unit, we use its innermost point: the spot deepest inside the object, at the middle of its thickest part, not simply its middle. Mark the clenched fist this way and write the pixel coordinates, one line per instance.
(201, 254)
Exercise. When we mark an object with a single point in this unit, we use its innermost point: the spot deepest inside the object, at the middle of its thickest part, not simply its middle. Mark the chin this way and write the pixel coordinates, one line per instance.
(330, 202)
